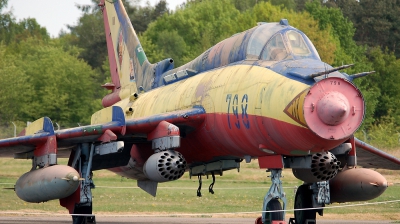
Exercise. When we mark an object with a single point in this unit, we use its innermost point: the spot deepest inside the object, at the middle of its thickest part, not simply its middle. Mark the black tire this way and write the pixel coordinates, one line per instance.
(303, 200)
(83, 219)
(273, 205)
(79, 220)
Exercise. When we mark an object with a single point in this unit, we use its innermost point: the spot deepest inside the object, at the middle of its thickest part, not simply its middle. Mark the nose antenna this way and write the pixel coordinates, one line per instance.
(359, 75)
(329, 71)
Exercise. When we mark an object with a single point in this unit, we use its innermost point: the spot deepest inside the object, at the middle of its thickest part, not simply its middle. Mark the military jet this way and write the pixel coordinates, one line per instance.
(260, 94)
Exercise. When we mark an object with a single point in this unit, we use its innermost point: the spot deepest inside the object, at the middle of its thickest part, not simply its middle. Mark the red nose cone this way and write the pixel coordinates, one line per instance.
(333, 108)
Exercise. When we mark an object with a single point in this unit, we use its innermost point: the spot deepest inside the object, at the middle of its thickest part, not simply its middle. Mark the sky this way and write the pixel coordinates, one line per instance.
(56, 14)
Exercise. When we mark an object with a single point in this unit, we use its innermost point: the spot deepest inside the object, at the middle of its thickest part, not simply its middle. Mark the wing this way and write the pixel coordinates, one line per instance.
(371, 157)
(107, 124)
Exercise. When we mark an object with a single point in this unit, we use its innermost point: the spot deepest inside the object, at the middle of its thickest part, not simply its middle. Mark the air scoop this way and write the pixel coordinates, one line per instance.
(333, 108)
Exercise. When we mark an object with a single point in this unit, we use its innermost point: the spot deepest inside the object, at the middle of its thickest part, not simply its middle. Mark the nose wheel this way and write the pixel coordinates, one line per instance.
(303, 200)
(274, 205)
(81, 219)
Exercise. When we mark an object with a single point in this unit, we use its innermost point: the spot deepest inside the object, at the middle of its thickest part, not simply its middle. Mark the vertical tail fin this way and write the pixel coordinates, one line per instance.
(129, 66)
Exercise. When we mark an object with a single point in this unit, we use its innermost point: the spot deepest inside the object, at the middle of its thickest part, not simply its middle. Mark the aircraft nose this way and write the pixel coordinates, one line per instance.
(333, 108)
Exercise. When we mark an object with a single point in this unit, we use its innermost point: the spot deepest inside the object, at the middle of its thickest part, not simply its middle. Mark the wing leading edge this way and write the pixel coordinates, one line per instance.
(371, 157)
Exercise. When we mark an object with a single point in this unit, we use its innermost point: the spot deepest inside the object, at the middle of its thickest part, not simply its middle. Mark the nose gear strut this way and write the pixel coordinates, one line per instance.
(271, 202)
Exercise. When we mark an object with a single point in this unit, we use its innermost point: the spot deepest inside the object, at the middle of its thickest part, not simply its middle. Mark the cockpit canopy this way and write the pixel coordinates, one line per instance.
(279, 41)
(269, 42)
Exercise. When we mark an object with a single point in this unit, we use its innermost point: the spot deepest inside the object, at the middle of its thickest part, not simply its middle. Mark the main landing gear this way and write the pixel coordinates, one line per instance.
(80, 203)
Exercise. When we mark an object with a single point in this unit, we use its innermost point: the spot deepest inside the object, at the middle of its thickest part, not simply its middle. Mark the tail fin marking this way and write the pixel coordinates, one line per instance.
(128, 62)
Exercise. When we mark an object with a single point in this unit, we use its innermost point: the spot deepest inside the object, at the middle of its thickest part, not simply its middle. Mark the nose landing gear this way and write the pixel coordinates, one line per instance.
(303, 199)
(272, 200)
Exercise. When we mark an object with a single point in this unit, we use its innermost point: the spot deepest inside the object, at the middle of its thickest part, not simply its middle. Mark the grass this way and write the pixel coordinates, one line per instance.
(234, 193)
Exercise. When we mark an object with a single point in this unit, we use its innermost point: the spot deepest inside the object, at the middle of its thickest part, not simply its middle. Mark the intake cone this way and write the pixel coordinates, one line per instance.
(333, 108)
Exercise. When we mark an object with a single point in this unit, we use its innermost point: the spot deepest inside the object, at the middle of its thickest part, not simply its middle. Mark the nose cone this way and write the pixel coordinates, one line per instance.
(72, 176)
(379, 186)
(374, 184)
(333, 108)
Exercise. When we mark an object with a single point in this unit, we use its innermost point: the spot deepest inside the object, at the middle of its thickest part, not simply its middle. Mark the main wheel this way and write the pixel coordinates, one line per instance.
(303, 200)
(273, 205)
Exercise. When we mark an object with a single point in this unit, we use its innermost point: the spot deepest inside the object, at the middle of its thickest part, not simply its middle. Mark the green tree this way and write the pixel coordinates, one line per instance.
(89, 36)
(340, 28)
(15, 89)
(141, 17)
(30, 28)
(11, 31)
(7, 24)
(288, 4)
(62, 84)
(243, 6)
(3, 4)
(387, 78)
(172, 42)
(301, 5)
(199, 24)
(376, 22)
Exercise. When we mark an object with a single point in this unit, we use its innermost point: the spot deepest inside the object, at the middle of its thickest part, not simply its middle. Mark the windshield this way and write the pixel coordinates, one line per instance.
(276, 42)
(275, 49)
(297, 43)
(260, 37)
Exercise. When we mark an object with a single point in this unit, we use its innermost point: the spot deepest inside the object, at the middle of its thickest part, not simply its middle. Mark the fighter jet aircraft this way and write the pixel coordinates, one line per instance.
(261, 94)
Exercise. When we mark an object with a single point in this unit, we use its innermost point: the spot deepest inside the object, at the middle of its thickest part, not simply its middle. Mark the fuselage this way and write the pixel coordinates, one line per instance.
(245, 108)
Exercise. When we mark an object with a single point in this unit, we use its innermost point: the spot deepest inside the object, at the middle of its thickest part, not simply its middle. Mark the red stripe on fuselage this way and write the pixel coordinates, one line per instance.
(223, 136)
(217, 138)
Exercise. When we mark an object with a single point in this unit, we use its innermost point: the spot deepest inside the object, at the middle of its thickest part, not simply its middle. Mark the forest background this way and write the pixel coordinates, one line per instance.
(61, 77)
